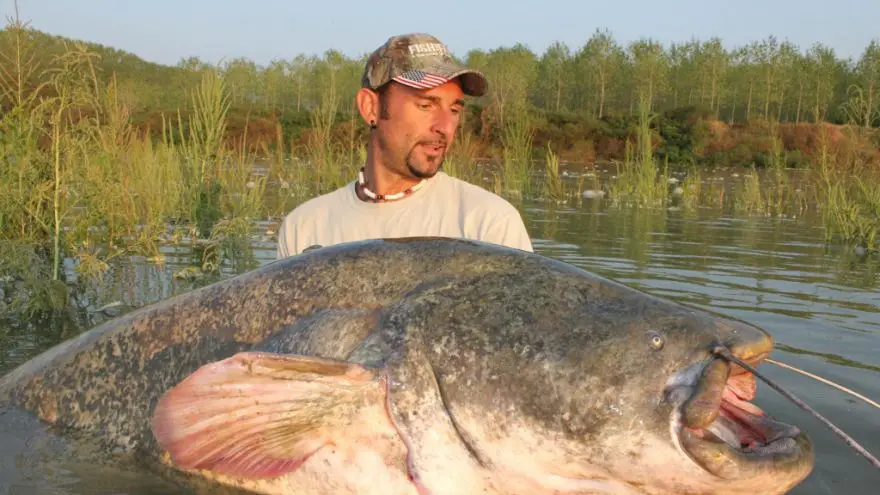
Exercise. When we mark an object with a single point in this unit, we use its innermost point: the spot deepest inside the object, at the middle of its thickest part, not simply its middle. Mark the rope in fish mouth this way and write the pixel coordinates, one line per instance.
(723, 352)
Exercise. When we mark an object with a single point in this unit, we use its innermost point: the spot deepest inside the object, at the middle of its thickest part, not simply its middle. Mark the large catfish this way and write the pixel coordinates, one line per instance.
(423, 366)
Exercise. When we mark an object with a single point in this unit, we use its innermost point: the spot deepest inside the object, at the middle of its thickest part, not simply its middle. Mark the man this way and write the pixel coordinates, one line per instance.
(412, 97)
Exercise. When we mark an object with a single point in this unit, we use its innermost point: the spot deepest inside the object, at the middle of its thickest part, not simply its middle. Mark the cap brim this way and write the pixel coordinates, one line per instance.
(473, 82)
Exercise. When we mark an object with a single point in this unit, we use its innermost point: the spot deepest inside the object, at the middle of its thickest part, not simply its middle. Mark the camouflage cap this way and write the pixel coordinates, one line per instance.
(419, 61)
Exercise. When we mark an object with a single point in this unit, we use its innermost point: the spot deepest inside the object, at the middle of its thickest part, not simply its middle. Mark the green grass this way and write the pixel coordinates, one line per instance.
(555, 189)
(460, 161)
(849, 202)
(769, 190)
(79, 182)
(692, 189)
(515, 171)
(748, 197)
(641, 181)
(851, 210)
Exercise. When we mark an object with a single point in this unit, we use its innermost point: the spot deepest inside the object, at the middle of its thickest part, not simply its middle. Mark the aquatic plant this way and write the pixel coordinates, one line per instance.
(554, 187)
(640, 179)
(748, 197)
(81, 183)
(461, 159)
(516, 162)
(850, 204)
(692, 188)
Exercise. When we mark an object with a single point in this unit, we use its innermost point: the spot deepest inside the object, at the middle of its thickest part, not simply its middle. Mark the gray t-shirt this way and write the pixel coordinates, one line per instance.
(444, 206)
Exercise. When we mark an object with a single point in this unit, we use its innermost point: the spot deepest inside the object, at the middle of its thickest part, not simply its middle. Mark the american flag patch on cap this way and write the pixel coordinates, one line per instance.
(420, 79)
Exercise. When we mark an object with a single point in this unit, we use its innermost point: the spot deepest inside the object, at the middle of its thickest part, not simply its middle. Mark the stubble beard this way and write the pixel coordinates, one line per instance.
(435, 164)
(407, 163)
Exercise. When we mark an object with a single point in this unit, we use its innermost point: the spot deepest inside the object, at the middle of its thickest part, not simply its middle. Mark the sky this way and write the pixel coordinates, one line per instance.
(166, 31)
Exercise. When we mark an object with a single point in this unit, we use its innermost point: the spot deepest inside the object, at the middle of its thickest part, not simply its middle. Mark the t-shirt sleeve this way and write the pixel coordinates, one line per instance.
(286, 239)
(509, 230)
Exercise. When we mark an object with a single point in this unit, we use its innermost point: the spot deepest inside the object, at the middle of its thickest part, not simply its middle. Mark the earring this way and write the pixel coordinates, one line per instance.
(372, 124)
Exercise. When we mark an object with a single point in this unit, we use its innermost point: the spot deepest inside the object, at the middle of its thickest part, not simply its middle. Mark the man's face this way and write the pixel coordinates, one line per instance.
(416, 127)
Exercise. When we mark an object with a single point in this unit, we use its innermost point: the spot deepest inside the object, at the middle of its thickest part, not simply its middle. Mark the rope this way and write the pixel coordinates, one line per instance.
(825, 381)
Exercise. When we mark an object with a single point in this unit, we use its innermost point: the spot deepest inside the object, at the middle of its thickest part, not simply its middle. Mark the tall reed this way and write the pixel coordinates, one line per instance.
(692, 188)
(198, 149)
(460, 161)
(640, 179)
(779, 197)
(328, 167)
(850, 204)
(748, 197)
(80, 183)
(554, 188)
(516, 162)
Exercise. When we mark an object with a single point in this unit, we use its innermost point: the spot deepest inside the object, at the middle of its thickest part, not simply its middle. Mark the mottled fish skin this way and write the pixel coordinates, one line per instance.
(507, 372)
(108, 379)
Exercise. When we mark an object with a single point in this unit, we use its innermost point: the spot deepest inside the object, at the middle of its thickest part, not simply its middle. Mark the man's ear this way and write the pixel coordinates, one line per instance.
(368, 105)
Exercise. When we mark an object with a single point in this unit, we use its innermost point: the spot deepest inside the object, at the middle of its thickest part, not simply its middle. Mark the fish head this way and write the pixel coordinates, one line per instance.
(565, 384)
(715, 422)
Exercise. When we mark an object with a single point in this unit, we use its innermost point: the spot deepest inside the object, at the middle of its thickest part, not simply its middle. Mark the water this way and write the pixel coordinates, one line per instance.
(821, 303)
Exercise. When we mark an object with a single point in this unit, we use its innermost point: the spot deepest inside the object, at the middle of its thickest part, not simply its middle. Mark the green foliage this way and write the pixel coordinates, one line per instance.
(79, 183)
(460, 162)
(683, 134)
(640, 180)
(554, 188)
(850, 203)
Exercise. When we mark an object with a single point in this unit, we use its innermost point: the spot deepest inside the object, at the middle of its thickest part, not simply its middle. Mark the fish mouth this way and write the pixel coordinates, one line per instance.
(717, 425)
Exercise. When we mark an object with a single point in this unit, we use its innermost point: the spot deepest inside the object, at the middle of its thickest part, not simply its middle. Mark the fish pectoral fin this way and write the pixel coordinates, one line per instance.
(261, 415)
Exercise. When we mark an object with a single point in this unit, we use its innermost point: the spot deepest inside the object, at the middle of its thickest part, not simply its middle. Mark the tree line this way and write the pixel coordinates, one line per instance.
(768, 78)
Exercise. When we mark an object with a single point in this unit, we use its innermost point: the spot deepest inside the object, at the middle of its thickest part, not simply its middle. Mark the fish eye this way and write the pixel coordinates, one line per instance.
(656, 340)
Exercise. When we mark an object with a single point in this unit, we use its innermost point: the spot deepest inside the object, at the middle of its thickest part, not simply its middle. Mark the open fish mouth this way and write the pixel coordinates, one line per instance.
(718, 427)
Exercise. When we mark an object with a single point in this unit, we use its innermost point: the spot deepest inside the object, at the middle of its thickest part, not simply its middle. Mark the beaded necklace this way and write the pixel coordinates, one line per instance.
(386, 197)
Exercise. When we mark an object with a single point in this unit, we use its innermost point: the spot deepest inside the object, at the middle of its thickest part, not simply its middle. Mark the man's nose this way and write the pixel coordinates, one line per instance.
(445, 122)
